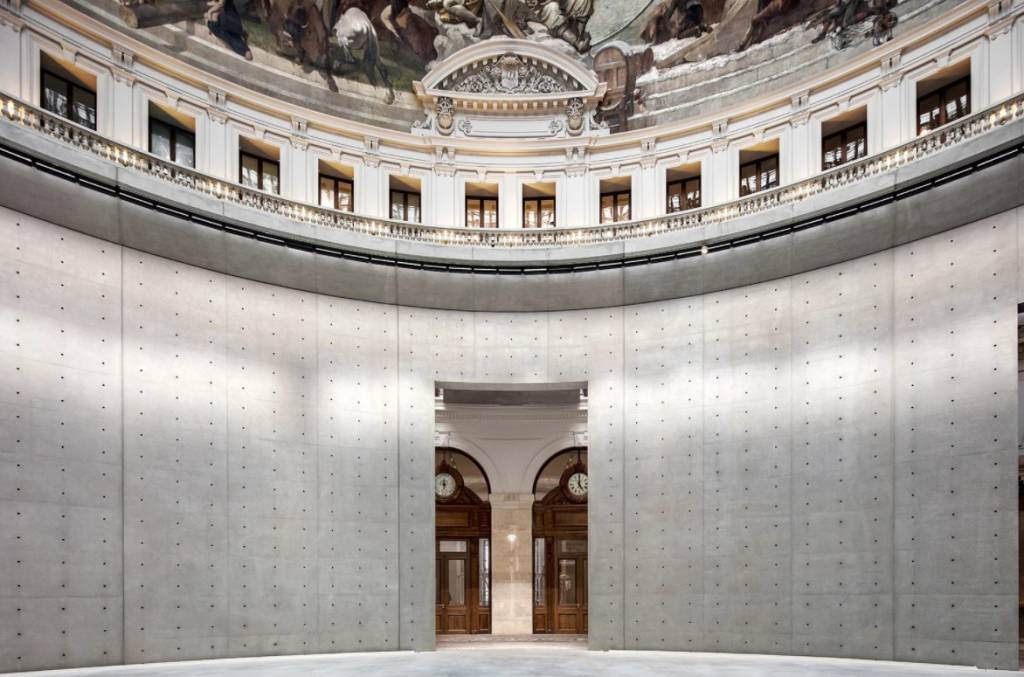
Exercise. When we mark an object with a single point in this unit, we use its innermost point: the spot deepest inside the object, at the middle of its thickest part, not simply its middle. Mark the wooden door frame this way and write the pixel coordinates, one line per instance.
(464, 516)
(559, 516)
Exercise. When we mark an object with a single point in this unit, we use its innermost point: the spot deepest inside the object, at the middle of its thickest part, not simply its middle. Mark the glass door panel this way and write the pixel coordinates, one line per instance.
(567, 581)
(457, 582)
(485, 572)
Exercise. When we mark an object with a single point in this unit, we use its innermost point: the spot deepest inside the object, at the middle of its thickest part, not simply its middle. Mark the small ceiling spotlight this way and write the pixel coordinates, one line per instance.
(703, 249)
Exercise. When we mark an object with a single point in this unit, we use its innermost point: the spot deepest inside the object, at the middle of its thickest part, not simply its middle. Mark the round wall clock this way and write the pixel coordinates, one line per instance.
(445, 485)
(578, 485)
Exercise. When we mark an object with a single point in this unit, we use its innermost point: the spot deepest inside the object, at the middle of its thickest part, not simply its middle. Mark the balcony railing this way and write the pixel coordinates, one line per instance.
(87, 140)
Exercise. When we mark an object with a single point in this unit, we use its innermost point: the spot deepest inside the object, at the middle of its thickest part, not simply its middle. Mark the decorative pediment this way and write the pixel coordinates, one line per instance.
(511, 75)
(506, 88)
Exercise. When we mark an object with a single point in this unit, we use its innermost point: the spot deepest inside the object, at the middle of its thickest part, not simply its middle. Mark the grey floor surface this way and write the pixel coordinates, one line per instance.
(476, 659)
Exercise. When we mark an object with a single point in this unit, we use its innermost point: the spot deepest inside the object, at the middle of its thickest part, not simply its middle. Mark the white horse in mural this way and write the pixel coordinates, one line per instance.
(355, 34)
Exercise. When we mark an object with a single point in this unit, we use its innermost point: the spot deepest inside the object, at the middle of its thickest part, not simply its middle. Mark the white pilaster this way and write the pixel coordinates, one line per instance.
(10, 47)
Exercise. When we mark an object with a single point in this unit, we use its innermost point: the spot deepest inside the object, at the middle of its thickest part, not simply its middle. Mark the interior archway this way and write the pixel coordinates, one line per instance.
(560, 553)
(462, 544)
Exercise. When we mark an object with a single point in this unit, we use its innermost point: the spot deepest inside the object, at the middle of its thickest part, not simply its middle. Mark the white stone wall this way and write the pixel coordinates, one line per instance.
(823, 464)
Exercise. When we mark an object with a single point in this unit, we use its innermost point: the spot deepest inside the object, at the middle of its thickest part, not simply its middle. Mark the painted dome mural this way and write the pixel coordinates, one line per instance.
(361, 58)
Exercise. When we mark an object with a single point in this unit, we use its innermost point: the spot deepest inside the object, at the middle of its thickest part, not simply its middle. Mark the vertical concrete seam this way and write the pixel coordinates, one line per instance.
(398, 474)
(703, 482)
(316, 486)
(124, 482)
(226, 333)
(892, 443)
(792, 479)
(622, 459)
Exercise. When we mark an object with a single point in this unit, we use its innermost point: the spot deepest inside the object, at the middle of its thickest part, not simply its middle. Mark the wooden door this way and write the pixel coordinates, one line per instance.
(452, 613)
(570, 586)
(560, 591)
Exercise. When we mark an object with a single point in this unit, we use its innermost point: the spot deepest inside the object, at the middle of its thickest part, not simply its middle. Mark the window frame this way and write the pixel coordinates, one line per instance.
(616, 195)
(843, 135)
(175, 130)
(405, 204)
(481, 200)
(337, 180)
(538, 201)
(69, 94)
(942, 93)
(259, 170)
(682, 183)
(757, 172)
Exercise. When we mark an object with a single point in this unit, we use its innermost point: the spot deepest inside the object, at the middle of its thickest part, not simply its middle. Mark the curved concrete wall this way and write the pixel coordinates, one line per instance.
(198, 465)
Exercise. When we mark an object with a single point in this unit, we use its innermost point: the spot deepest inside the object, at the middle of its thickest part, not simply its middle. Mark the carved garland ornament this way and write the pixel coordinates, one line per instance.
(512, 75)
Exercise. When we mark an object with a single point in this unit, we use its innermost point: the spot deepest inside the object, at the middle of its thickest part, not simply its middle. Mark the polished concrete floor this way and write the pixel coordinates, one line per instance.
(498, 658)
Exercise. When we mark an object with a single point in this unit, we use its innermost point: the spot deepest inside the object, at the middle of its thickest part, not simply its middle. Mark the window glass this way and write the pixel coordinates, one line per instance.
(397, 205)
(531, 218)
(568, 547)
(623, 207)
(928, 112)
(957, 101)
(473, 216)
(485, 572)
(344, 196)
(567, 581)
(55, 95)
(413, 207)
(452, 546)
(327, 192)
(490, 213)
(675, 197)
(683, 194)
(769, 172)
(748, 178)
(270, 178)
(84, 107)
(948, 103)
(547, 213)
(693, 193)
(250, 171)
(607, 208)
(457, 582)
(538, 212)
(185, 148)
(759, 175)
(159, 139)
(538, 572)
(832, 151)
(856, 143)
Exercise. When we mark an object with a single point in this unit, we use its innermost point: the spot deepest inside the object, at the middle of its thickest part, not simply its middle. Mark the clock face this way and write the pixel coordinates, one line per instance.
(444, 485)
(577, 484)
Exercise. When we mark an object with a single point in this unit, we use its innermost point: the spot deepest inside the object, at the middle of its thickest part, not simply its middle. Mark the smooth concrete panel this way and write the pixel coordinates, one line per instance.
(953, 359)
(821, 464)
(60, 448)
(177, 577)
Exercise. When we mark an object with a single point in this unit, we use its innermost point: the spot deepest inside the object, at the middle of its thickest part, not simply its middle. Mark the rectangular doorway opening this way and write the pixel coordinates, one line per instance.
(511, 493)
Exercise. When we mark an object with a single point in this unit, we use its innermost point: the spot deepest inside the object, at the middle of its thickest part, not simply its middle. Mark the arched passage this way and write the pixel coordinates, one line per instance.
(560, 590)
(462, 544)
